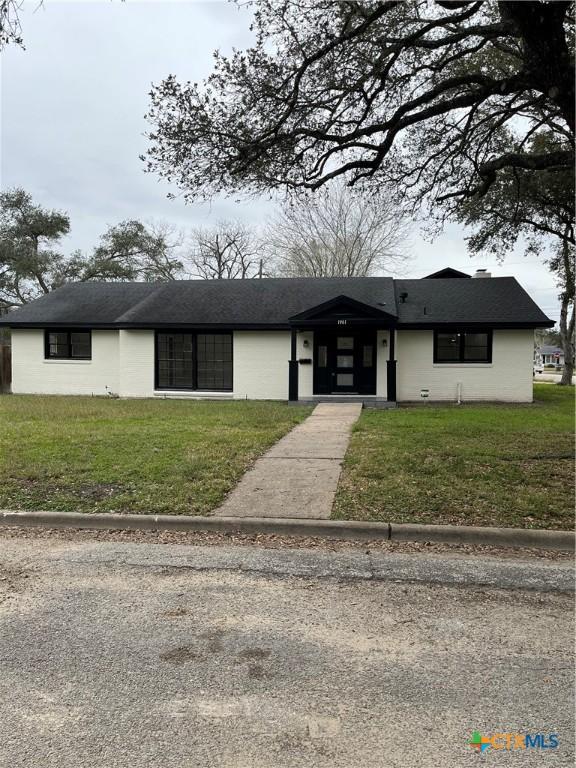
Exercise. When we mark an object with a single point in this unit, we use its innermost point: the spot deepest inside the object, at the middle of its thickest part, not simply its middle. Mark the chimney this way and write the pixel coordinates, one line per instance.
(482, 273)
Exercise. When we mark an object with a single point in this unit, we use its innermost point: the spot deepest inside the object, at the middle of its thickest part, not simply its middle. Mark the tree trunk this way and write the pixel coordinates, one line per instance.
(567, 337)
(567, 326)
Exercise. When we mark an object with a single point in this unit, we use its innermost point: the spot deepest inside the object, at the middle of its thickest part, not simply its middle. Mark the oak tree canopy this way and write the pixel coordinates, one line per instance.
(423, 95)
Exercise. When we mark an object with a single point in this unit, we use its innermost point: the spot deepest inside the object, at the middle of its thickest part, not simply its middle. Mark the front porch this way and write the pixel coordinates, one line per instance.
(343, 351)
(367, 401)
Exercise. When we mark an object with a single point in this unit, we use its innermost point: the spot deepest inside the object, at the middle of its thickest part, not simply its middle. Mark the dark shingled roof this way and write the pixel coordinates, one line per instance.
(272, 302)
(199, 302)
(80, 304)
(487, 300)
(550, 349)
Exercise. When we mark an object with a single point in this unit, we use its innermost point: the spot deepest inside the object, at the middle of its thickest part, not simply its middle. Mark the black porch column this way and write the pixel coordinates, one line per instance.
(391, 368)
(293, 368)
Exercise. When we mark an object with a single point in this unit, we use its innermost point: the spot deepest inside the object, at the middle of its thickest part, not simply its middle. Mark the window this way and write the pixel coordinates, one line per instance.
(68, 345)
(344, 379)
(214, 361)
(463, 347)
(367, 356)
(174, 356)
(194, 361)
(345, 342)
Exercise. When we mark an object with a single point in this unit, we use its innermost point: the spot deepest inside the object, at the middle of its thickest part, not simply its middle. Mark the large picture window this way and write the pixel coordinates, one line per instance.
(194, 361)
(68, 345)
(463, 347)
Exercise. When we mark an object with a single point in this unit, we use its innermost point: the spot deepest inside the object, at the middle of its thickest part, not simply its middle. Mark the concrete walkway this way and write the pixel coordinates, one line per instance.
(298, 476)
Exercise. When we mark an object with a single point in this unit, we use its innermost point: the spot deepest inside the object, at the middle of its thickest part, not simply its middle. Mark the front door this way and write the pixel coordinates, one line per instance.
(345, 362)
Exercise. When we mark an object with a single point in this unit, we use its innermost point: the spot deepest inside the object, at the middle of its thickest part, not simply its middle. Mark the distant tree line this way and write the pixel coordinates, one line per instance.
(32, 262)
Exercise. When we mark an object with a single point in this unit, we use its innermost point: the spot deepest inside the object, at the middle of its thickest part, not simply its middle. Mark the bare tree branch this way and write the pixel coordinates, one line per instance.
(228, 250)
(338, 233)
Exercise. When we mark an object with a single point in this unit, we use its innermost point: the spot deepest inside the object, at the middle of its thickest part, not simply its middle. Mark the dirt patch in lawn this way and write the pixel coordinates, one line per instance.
(32, 486)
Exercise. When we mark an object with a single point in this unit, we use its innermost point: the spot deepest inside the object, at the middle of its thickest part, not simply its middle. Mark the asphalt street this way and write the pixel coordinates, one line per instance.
(122, 655)
(550, 377)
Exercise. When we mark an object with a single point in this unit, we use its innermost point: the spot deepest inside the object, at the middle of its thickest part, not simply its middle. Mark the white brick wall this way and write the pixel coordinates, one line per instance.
(507, 378)
(31, 373)
(123, 363)
(136, 363)
(261, 364)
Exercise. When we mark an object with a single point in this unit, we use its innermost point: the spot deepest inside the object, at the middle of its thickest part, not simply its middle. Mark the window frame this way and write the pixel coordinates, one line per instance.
(194, 333)
(462, 332)
(68, 332)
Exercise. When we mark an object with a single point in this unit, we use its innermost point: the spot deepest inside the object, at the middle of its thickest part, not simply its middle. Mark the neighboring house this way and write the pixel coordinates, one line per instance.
(548, 355)
(444, 337)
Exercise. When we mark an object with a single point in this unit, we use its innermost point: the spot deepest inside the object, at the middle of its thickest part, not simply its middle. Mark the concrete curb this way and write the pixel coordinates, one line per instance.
(495, 537)
(327, 529)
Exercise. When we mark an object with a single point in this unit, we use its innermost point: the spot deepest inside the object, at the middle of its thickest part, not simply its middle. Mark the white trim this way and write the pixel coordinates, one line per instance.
(462, 365)
(199, 394)
(66, 361)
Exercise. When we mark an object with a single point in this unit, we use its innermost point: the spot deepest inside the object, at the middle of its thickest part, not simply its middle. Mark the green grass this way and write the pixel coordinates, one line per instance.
(472, 465)
(164, 456)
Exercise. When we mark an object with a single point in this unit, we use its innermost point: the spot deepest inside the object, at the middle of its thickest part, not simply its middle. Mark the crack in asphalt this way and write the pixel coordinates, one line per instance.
(544, 579)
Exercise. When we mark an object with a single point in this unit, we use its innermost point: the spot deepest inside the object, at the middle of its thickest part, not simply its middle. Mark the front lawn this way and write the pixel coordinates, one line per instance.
(471, 465)
(151, 456)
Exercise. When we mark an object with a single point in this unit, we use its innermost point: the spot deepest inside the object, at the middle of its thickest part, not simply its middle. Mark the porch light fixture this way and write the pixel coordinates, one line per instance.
(384, 342)
(305, 343)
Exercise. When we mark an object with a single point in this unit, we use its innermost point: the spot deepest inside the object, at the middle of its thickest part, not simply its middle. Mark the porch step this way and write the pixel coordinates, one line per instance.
(366, 400)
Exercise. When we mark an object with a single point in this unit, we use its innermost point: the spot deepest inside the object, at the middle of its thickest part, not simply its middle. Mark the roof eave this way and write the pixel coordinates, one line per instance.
(146, 326)
(453, 325)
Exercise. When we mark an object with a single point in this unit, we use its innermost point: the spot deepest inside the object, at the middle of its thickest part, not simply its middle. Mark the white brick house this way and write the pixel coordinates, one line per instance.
(447, 337)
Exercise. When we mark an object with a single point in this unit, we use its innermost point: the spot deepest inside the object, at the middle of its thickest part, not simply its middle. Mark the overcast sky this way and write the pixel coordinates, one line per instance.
(72, 122)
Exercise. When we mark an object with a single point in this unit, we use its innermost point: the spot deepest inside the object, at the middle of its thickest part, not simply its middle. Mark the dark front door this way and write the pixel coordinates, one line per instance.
(345, 362)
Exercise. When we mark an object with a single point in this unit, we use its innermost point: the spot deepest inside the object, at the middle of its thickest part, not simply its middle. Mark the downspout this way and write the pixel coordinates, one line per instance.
(459, 392)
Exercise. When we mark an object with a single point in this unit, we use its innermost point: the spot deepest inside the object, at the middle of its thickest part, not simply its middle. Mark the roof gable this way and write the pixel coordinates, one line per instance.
(447, 272)
(342, 307)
